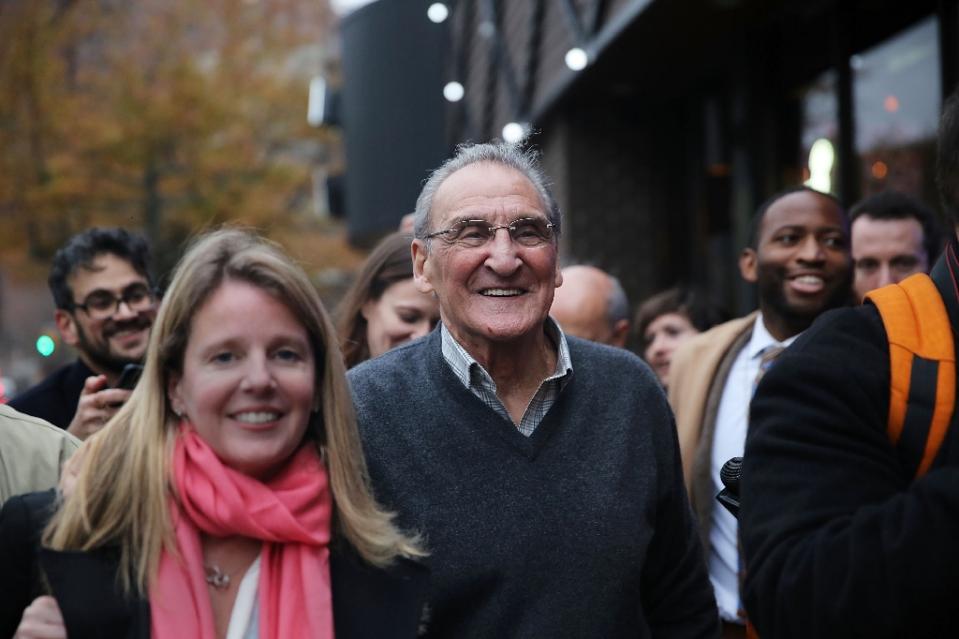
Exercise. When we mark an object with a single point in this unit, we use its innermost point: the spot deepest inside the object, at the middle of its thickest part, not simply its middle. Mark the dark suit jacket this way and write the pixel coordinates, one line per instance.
(367, 601)
(55, 399)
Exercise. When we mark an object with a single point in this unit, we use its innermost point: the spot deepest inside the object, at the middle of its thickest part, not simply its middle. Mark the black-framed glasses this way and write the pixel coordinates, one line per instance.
(103, 304)
(525, 231)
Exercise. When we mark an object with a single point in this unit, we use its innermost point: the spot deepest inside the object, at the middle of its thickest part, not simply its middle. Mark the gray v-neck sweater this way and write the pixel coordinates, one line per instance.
(580, 530)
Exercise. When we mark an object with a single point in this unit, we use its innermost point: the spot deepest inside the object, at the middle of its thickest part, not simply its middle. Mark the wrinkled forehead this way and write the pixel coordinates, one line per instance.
(486, 191)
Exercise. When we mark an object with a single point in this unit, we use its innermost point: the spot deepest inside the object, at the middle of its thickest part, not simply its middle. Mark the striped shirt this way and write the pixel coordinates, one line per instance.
(475, 378)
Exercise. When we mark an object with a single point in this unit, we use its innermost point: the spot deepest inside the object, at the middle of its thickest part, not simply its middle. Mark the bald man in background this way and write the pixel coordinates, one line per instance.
(592, 304)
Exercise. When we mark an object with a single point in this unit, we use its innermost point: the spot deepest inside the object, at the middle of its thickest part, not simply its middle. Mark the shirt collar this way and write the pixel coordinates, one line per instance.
(463, 364)
(762, 339)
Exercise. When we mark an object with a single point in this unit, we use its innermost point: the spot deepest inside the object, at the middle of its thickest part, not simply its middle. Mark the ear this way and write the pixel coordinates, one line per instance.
(558, 280)
(747, 265)
(367, 308)
(67, 326)
(620, 333)
(422, 267)
(173, 394)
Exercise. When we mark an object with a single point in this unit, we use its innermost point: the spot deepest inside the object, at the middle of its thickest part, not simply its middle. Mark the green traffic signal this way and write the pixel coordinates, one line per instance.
(46, 345)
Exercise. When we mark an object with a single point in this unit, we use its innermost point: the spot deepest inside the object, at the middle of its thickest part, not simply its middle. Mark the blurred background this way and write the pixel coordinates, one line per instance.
(663, 124)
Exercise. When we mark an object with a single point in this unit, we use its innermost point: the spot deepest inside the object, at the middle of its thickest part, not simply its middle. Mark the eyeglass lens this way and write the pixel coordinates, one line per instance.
(524, 231)
(136, 297)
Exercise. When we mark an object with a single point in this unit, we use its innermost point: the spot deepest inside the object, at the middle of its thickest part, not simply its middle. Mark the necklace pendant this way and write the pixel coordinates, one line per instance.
(216, 577)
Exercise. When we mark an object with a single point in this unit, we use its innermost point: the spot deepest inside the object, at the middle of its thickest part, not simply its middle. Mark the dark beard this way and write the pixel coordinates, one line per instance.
(773, 301)
(100, 358)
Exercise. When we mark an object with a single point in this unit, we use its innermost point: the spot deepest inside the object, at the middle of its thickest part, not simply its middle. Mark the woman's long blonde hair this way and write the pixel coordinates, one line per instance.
(121, 497)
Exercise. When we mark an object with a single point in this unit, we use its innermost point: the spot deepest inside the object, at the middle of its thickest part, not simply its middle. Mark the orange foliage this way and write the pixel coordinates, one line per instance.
(167, 116)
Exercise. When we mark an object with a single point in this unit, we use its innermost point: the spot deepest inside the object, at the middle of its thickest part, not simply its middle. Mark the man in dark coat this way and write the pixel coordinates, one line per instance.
(839, 538)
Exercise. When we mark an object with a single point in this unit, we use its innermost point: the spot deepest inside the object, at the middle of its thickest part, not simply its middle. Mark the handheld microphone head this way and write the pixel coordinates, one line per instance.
(730, 474)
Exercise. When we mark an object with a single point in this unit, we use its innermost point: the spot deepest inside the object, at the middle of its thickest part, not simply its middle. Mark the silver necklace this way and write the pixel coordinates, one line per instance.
(216, 577)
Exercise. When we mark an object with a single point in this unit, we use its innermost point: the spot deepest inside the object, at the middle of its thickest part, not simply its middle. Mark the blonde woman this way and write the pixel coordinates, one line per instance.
(229, 495)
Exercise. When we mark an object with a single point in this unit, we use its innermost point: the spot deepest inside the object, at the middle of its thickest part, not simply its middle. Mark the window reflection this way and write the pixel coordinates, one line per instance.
(820, 133)
(897, 93)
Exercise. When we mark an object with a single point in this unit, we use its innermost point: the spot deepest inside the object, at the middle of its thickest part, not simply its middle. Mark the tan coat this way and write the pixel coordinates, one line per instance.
(32, 453)
(691, 374)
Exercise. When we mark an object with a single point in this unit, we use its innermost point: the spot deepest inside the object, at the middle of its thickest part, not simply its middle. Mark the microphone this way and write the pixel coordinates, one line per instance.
(730, 474)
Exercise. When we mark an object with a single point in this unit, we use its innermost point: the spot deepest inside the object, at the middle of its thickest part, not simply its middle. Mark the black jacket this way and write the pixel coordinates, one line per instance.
(55, 398)
(839, 541)
(367, 601)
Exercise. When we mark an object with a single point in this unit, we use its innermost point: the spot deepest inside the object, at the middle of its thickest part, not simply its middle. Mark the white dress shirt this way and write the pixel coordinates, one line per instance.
(729, 441)
(245, 617)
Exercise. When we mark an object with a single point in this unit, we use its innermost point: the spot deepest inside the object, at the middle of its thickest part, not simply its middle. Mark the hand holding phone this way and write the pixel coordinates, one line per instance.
(96, 405)
(129, 376)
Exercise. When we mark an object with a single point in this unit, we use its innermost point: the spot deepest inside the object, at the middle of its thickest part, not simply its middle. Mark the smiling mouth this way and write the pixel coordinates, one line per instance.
(133, 330)
(258, 417)
(808, 283)
(501, 292)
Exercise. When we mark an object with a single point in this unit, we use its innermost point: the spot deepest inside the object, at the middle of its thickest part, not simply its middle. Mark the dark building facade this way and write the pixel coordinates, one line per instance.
(393, 117)
(691, 112)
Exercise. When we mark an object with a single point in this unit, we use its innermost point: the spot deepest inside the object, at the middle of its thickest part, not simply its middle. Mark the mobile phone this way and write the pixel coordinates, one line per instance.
(129, 376)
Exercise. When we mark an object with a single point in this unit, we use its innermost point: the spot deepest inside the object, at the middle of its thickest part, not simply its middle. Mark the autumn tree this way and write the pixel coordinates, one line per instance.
(163, 115)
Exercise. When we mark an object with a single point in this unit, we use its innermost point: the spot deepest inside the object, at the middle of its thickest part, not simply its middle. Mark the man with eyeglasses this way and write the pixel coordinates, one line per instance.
(542, 470)
(105, 307)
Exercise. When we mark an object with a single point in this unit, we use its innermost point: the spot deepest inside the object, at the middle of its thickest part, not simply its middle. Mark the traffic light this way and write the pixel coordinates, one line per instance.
(46, 345)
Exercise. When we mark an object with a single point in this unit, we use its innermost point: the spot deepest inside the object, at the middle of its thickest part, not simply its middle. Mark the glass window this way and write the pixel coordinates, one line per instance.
(819, 139)
(897, 93)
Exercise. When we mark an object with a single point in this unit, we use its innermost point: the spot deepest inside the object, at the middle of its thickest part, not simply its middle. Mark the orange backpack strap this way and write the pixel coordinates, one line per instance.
(922, 380)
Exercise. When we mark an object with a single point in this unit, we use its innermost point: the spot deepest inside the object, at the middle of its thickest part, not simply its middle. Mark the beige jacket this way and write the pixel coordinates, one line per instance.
(691, 373)
(32, 453)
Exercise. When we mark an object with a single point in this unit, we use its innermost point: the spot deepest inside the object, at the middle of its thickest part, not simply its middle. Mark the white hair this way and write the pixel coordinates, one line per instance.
(509, 155)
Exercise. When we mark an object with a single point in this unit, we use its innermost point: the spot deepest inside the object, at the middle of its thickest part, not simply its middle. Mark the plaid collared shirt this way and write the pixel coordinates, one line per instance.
(478, 381)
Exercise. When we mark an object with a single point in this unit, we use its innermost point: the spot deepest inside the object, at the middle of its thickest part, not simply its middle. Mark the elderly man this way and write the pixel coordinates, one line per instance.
(541, 470)
(592, 304)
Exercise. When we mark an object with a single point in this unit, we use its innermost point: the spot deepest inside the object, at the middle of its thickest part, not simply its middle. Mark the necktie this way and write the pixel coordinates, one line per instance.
(767, 357)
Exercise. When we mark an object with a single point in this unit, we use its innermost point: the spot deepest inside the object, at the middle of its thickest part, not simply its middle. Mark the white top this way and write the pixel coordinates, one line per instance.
(245, 617)
(729, 441)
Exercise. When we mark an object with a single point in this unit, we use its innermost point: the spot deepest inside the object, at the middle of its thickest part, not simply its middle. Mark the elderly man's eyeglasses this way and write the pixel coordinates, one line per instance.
(103, 304)
(525, 231)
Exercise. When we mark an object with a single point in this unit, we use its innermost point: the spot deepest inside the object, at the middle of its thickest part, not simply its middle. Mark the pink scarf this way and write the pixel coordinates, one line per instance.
(290, 513)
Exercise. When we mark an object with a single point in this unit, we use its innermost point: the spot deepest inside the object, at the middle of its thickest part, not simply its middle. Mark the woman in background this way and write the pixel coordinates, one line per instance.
(228, 497)
(667, 319)
(383, 308)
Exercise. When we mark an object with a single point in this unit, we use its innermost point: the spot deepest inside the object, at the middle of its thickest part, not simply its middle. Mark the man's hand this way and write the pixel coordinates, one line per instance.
(96, 406)
(42, 620)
